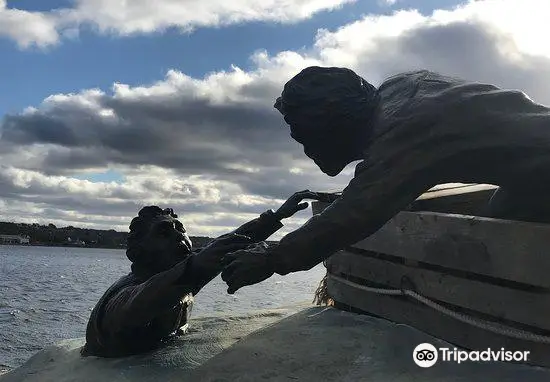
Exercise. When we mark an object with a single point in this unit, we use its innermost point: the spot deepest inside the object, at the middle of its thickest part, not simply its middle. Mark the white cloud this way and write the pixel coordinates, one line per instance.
(215, 149)
(27, 28)
(141, 16)
(126, 18)
(213, 204)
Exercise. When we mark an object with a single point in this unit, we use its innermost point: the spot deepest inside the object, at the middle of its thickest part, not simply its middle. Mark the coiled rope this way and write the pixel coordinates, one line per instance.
(477, 322)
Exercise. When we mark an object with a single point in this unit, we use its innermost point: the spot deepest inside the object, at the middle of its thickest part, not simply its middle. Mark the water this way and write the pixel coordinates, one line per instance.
(47, 294)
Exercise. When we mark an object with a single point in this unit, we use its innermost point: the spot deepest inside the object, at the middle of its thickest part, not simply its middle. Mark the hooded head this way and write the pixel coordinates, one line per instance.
(329, 111)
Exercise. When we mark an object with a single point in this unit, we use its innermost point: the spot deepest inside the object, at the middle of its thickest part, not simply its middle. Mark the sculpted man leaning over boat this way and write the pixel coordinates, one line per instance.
(153, 302)
(417, 130)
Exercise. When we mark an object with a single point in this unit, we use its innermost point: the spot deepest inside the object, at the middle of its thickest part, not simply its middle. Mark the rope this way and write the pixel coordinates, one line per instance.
(477, 322)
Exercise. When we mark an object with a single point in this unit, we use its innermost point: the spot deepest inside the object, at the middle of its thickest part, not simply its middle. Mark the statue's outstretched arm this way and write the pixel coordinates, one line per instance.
(269, 222)
(372, 198)
(260, 228)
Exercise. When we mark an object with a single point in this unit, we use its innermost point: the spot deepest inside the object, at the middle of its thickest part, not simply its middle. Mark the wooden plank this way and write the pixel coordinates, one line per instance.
(430, 321)
(466, 200)
(525, 307)
(505, 249)
(451, 198)
(456, 189)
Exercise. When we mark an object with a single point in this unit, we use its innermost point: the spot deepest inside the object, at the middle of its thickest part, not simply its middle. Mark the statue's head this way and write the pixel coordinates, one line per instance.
(328, 110)
(157, 241)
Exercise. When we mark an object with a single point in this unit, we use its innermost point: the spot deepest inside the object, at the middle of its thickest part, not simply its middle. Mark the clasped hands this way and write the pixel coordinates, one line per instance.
(243, 262)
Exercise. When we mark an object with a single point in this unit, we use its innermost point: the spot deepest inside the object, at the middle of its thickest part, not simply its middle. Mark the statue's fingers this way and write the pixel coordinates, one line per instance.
(297, 196)
(226, 276)
(309, 195)
(229, 270)
(236, 283)
(228, 258)
(302, 206)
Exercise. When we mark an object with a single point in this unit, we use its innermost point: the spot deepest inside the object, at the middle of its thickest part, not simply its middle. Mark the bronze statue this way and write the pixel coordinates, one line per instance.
(153, 302)
(417, 130)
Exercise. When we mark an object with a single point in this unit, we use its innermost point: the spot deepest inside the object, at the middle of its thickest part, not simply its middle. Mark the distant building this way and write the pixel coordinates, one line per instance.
(77, 242)
(14, 239)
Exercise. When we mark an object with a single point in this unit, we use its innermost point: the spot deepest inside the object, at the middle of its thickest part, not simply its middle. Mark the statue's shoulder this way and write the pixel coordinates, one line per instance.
(419, 76)
(402, 84)
(123, 282)
(128, 280)
(409, 76)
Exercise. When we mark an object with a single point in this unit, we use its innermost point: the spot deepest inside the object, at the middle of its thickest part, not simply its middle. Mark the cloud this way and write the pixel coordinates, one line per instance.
(125, 18)
(142, 16)
(205, 206)
(214, 148)
(387, 2)
(28, 28)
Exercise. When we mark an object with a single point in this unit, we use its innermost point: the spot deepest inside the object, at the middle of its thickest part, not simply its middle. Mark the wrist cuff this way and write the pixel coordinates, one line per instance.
(271, 214)
(275, 263)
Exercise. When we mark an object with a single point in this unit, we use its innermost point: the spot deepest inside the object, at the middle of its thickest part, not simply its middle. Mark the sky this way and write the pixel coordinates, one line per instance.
(109, 106)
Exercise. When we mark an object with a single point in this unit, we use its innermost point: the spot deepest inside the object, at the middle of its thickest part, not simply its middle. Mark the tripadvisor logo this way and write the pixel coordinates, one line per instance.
(427, 355)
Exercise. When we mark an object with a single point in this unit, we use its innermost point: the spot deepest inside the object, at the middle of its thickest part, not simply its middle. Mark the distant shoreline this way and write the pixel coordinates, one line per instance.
(69, 237)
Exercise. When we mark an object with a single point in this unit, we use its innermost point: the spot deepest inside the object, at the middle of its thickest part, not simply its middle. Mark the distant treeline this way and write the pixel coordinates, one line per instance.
(73, 236)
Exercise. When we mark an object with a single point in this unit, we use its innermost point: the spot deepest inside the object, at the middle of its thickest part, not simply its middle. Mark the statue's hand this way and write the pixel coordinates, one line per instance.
(209, 259)
(293, 204)
(246, 267)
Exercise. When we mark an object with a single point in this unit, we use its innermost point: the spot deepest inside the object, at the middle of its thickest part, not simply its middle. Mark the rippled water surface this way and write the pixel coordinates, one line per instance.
(47, 293)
